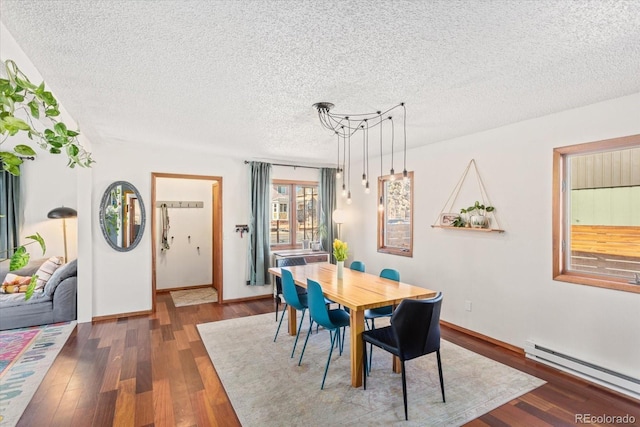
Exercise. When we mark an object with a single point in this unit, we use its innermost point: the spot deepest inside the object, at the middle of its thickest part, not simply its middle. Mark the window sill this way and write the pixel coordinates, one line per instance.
(600, 282)
(396, 251)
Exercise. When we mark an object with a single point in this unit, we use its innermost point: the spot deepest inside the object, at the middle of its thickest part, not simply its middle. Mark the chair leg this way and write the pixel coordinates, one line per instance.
(326, 368)
(305, 342)
(304, 310)
(280, 324)
(365, 368)
(373, 326)
(404, 392)
(440, 373)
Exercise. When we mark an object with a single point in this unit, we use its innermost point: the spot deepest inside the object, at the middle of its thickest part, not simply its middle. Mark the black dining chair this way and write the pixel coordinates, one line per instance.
(414, 332)
(287, 262)
(386, 311)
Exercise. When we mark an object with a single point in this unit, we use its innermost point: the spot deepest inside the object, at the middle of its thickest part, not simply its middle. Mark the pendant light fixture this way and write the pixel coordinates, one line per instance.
(346, 125)
(364, 155)
(405, 174)
(349, 166)
(338, 169)
(381, 201)
(392, 172)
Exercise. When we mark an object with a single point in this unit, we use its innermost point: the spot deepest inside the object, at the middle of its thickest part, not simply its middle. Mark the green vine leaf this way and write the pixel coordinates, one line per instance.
(19, 259)
(32, 287)
(24, 150)
(38, 238)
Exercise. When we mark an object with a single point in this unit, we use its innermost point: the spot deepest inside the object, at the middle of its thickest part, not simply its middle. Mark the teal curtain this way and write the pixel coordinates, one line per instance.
(327, 192)
(10, 213)
(260, 224)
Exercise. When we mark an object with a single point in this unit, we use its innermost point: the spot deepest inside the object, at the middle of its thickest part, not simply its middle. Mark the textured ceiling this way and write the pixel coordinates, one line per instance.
(239, 77)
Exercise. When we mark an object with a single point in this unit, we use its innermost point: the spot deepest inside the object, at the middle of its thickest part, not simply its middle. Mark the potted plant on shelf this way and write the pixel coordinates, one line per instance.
(320, 234)
(476, 215)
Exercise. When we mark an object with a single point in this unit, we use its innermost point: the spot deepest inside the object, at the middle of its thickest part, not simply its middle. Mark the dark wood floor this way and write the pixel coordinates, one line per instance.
(155, 371)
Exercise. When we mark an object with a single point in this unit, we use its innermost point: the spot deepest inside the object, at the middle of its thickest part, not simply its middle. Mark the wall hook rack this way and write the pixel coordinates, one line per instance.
(242, 228)
(180, 204)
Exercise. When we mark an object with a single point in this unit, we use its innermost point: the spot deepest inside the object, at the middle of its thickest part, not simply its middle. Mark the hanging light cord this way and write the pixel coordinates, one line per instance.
(404, 172)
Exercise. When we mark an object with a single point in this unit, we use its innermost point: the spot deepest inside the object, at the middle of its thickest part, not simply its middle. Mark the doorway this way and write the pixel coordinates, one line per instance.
(213, 238)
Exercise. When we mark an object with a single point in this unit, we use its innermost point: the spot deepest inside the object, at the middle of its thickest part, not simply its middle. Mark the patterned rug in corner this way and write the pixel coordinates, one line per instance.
(194, 296)
(267, 387)
(25, 357)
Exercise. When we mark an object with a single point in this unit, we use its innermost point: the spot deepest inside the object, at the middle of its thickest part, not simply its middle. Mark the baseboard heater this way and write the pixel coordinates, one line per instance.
(615, 380)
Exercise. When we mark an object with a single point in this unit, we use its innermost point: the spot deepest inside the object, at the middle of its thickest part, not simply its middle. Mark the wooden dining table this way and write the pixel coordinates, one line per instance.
(358, 291)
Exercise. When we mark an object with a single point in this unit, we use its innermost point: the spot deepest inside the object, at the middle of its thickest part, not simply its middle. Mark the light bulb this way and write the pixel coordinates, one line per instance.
(344, 191)
(381, 205)
(366, 188)
(405, 175)
(349, 198)
(364, 179)
(338, 174)
(392, 176)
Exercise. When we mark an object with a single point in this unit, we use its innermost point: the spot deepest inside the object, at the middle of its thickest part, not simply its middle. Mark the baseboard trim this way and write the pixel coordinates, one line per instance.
(120, 315)
(184, 288)
(258, 297)
(483, 337)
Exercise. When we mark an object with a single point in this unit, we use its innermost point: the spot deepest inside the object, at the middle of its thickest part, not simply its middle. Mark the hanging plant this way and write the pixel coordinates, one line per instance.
(19, 96)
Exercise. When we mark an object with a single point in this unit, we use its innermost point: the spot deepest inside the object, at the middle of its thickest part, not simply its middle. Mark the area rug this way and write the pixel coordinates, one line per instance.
(25, 357)
(194, 296)
(267, 387)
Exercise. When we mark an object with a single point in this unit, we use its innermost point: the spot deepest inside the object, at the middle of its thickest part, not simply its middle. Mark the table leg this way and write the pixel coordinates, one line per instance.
(292, 321)
(357, 327)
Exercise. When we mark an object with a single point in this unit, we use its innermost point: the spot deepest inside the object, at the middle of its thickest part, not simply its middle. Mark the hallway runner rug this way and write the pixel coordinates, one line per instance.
(266, 387)
(26, 355)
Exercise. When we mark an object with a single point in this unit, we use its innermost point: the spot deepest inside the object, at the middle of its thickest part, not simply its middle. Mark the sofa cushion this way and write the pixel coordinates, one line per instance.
(13, 284)
(67, 270)
(46, 270)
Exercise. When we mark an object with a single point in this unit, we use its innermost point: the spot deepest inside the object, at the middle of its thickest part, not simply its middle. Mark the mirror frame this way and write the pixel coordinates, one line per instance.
(103, 205)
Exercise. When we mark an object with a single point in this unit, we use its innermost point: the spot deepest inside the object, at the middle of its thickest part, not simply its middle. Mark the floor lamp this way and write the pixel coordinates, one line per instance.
(63, 213)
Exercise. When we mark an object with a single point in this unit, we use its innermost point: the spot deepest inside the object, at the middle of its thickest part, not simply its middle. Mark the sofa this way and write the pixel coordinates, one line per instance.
(57, 302)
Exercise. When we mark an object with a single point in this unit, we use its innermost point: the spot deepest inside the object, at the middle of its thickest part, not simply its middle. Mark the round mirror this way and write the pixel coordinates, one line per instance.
(122, 216)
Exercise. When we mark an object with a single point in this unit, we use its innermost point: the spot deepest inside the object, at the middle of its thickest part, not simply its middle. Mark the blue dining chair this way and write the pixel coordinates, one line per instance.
(331, 320)
(357, 266)
(376, 313)
(294, 299)
(414, 332)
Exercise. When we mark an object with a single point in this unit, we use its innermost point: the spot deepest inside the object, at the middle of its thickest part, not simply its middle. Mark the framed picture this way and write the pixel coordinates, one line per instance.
(447, 219)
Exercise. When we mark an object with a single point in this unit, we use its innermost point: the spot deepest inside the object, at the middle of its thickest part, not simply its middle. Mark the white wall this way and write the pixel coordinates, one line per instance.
(507, 277)
(183, 264)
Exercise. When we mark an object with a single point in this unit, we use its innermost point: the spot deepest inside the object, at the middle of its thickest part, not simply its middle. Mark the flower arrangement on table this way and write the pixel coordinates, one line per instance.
(340, 250)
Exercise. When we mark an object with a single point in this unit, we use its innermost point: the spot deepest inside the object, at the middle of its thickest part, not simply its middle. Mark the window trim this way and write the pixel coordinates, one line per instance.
(388, 249)
(292, 186)
(559, 228)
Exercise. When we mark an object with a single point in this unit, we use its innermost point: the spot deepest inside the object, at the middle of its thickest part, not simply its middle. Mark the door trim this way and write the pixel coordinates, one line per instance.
(216, 262)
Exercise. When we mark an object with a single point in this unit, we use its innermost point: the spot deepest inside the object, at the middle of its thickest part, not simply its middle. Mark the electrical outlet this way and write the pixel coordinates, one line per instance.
(467, 305)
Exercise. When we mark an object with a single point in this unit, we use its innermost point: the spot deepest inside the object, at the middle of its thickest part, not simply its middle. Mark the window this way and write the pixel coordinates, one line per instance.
(295, 213)
(596, 213)
(395, 216)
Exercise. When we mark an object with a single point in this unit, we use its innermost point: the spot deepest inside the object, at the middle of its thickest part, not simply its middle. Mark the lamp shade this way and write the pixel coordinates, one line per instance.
(62, 212)
(339, 216)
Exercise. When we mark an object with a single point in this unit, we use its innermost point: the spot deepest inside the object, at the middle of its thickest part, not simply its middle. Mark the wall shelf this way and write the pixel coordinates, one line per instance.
(485, 230)
(444, 219)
